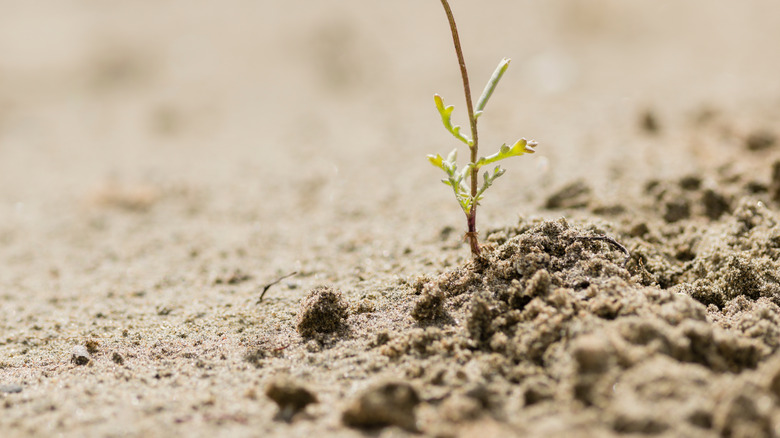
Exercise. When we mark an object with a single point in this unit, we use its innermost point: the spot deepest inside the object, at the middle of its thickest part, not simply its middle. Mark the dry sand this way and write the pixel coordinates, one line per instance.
(161, 163)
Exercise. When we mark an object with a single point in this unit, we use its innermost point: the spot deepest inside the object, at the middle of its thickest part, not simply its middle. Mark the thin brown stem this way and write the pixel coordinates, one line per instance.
(471, 216)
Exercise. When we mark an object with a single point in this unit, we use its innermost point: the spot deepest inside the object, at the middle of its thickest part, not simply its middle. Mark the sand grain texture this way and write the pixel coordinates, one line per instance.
(162, 163)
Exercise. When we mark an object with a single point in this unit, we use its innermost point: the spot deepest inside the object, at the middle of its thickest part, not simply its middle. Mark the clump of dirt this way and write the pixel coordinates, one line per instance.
(558, 310)
(648, 121)
(687, 198)
(430, 306)
(290, 396)
(388, 404)
(573, 195)
(760, 140)
(774, 185)
(117, 358)
(554, 319)
(92, 346)
(323, 311)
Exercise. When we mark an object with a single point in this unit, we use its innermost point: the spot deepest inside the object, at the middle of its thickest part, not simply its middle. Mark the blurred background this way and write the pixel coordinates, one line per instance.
(162, 162)
(300, 115)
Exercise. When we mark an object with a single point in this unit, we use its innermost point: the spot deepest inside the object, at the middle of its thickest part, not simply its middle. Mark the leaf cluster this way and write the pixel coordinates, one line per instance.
(456, 178)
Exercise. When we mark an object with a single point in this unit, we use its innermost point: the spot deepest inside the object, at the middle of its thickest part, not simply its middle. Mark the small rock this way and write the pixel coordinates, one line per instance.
(649, 122)
(92, 346)
(389, 404)
(80, 355)
(290, 396)
(10, 389)
(117, 358)
(760, 140)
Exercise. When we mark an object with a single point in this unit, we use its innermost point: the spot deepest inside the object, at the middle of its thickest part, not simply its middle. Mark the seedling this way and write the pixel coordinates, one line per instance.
(468, 196)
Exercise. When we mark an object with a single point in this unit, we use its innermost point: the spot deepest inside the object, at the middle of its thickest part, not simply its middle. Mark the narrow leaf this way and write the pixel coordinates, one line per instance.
(521, 147)
(436, 160)
(446, 117)
(453, 156)
(491, 86)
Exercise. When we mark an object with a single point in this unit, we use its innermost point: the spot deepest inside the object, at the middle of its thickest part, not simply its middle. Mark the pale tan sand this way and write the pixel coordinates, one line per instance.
(161, 162)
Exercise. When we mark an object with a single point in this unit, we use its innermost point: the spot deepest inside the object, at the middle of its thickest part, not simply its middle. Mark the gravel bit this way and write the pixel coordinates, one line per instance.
(80, 355)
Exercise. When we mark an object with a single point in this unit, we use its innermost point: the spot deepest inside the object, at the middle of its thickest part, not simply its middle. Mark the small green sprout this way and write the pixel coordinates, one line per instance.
(469, 195)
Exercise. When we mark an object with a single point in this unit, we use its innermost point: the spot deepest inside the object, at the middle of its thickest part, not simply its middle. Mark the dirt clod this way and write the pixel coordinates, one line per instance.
(648, 121)
(573, 195)
(760, 140)
(746, 414)
(323, 310)
(290, 396)
(117, 358)
(92, 346)
(676, 210)
(388, 404)
(774, 188)
(715, 204)
(430, 305)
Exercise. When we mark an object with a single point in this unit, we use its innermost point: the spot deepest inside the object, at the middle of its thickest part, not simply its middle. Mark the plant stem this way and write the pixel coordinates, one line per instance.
(471, 216)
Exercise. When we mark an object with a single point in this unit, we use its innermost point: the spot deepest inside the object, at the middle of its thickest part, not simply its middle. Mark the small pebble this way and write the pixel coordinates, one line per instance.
(10, 389)
(117, 358)
(92, 346)
(649, 122)
(760, 140)
(80, 355)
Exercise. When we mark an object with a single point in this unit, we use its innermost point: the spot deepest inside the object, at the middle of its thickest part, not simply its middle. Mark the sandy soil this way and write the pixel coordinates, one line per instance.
(162, 162)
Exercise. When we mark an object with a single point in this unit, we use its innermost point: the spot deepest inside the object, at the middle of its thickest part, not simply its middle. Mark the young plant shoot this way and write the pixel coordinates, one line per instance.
(469, 194)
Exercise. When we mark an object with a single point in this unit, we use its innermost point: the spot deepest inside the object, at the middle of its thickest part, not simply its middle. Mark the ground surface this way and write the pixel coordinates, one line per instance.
(162, 162)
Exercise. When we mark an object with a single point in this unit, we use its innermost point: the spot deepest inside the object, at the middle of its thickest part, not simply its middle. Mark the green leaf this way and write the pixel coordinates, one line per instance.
(466, 172)
(454, 177)
(521, 147)
(453, 156)
(446, 118)
(491, 86)
(436, 160)
(489, 179)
